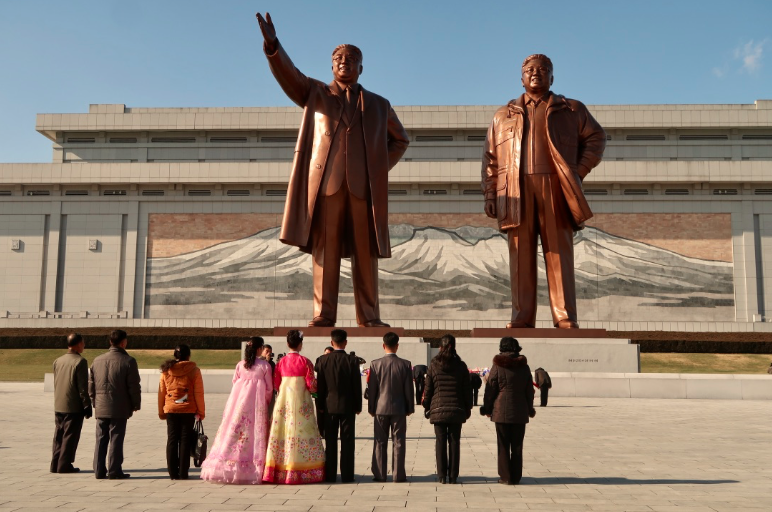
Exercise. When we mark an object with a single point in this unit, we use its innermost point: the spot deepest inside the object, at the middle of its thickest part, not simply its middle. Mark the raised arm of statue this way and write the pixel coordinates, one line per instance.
(295, 84)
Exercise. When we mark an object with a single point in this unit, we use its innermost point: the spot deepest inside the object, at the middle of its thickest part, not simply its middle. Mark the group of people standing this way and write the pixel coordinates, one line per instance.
(110, 391)
(269, 432)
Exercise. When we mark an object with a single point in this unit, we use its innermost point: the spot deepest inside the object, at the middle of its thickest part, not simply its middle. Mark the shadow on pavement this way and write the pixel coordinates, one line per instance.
(619, 481)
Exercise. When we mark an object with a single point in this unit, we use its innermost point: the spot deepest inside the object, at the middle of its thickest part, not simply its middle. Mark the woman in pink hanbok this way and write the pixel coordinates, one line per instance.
(238, 453)
(295, 452)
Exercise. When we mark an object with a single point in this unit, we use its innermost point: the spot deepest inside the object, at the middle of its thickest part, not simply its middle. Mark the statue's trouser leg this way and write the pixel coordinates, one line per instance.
(557, 241)
(364, 260)
(340, 219)
(326, 250)
(543, 211)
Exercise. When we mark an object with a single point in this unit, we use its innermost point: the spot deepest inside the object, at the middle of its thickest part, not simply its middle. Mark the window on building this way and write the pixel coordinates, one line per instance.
(173, 140)
(227, 139)
(434, 138)
(636, 192)
(703, 137)
(276, 192)
(724, 191)
(435, 192)
(123, 140)
(237, 193)
(676, 191)
(397, 192)
(646, 137)
(596, 192)
(153, 193)
(199, 192)
(113, 192)
(76, 192)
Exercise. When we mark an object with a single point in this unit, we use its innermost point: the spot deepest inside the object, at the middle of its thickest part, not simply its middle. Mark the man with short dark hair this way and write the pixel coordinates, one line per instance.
(391, 400)
(71, 404)
(267, 355)
(116, 394)
(339, 399)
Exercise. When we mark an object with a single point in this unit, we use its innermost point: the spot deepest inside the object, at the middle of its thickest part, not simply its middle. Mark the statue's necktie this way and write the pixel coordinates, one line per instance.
(350, 104)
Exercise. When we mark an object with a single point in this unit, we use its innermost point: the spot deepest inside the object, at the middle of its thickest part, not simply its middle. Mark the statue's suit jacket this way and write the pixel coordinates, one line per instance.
(385, 140)
(576, 142)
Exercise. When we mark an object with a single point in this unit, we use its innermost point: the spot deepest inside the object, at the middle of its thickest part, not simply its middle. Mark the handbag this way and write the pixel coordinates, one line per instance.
(200, 442)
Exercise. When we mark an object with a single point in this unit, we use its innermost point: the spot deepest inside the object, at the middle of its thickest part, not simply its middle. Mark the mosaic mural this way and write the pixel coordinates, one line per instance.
(443, 271)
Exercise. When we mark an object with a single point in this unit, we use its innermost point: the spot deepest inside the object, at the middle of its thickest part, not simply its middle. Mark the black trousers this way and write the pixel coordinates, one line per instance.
(319, 419)
(545, 392)
(509, 437)
(179, 434)
(448, 449)
(346, 424)
(110, 433)
(66, 439)
(419, 390)
(382, 426)
(475, 393)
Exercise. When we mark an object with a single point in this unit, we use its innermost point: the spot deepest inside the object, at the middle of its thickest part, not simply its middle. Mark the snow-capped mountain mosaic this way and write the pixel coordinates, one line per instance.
(442, 273)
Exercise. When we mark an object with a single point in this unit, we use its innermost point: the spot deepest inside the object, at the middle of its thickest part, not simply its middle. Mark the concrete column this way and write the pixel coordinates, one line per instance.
(130, 262)
(51, 258)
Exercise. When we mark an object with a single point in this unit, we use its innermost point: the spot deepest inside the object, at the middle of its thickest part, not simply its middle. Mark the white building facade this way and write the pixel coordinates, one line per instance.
(169, 217)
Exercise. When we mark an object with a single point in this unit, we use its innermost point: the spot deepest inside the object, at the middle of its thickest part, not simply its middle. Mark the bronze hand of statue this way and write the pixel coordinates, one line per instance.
(268, 30)
(490, 208)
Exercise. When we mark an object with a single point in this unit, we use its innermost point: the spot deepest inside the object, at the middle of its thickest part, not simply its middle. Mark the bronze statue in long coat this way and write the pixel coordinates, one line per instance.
(337, 201)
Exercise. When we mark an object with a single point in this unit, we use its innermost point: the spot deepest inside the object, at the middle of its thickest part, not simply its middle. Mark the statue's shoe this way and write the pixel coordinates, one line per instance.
(320, 321)
(375, 323)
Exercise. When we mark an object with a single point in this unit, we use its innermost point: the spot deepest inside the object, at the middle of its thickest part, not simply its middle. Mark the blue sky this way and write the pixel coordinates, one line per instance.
(61, 56)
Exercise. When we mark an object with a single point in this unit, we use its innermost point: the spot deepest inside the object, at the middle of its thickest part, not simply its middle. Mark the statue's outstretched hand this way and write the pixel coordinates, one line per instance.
(267, 28)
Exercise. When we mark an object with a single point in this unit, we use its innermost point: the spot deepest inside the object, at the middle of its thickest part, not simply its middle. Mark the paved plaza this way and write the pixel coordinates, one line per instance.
(580, 454)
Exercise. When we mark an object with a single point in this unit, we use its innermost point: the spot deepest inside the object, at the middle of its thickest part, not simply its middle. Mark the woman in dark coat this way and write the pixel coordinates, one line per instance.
(508, 401)
(447, 403)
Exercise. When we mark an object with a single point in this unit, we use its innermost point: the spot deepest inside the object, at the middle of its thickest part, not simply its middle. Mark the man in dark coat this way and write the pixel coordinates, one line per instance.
(476, 381)
(390, 390)
(114, 389)
(71, 404)
(419, 376)
(337, 200)
(339, 399)
(508, 401)
(544, 383)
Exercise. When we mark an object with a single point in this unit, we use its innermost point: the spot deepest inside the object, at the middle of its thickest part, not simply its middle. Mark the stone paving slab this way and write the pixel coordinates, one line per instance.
(581, 454)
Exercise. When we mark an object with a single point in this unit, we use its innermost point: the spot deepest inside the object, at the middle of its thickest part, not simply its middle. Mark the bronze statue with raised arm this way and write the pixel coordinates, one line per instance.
(337, 201)
(539, 148)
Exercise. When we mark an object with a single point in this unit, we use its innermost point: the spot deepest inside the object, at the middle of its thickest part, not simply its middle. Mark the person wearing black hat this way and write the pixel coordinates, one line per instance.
(508, 401)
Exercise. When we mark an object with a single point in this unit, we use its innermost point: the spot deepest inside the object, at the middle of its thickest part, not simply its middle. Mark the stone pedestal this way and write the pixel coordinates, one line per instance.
(578, 354)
